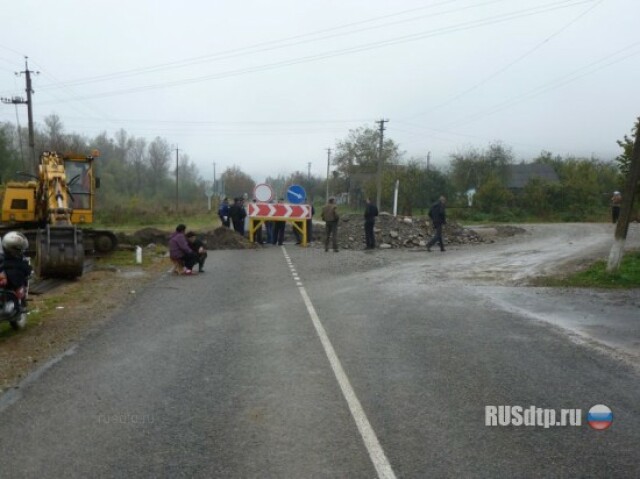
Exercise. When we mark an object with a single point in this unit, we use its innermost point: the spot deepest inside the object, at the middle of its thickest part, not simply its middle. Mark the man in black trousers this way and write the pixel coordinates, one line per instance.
(370, 213)
(438, 216)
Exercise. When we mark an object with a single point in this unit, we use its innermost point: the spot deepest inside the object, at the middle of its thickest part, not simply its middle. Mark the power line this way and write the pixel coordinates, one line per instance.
(559, 82)
(356, 49)
(509, 65)
(277, 44)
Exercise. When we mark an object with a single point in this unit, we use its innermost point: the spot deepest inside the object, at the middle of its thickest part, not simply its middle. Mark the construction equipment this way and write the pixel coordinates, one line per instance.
(50, 208)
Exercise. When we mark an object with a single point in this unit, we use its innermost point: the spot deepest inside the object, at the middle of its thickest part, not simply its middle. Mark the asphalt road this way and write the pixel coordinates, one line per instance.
(291, 362)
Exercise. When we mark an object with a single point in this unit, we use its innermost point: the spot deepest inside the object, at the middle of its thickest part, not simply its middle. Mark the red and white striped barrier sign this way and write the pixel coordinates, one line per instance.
(266, 210)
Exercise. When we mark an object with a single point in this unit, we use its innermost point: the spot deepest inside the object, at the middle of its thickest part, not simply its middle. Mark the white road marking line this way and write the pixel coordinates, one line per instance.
(376, 453)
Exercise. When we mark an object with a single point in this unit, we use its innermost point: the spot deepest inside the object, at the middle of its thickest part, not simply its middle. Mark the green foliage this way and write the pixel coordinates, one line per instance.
(237, 182)
(419, 187)
(9, 161)
(359, 152)
(624, 159)
(596, 276)
(493, 197)
(471, 169)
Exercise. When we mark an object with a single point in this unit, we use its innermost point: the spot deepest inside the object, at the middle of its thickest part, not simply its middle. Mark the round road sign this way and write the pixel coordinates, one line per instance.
(296, 194)
(263, 192)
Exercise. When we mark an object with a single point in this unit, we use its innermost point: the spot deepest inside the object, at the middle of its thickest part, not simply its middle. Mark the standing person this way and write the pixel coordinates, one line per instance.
(616, 201)
(370, 213)
(237, 214)
(438, 216)
(223, 213)
(310, 225)
(197, 246)
(330, 216)
(309, 222)
(278, 228)
(180, 252)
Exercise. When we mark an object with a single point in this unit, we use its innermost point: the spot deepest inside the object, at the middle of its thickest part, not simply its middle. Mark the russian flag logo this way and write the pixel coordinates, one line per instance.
(600, 417)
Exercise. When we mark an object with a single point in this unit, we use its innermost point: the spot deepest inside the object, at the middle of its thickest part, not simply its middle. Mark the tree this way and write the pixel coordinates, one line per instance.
(471, 169)
(9, 162)
(624, 159)
(492, 196)
(54, 133)
(237, 182)
(137, 158)
(358, 154)
(159, 158)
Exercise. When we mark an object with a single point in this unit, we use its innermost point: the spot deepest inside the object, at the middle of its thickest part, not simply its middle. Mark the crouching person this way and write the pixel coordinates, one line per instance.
(180, 252)
(197, 246)
(14, 267)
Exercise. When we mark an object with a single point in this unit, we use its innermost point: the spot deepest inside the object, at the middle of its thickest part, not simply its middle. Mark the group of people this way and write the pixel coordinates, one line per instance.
(186, 250)
(330, 215)
(234, 214)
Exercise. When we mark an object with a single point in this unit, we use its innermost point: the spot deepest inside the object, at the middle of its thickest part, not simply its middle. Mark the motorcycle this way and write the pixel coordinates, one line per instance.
(13, 304)
(15, 272)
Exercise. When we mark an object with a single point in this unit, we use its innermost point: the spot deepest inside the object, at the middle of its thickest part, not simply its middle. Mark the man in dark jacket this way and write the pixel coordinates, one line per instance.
(438, 216)
(223, 213)
(197, 246)
(238, 214)
(330, 216)
(370, 213)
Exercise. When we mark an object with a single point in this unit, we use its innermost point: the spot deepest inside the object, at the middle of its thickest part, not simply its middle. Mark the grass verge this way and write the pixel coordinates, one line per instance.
(596, 276)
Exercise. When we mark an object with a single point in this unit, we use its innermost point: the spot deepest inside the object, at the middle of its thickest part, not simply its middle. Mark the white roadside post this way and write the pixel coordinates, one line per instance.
(209, 193)
(395, 198)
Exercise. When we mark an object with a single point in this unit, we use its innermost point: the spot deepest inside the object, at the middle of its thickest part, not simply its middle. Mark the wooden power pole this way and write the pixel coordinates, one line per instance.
(622, 227)
(379, 174)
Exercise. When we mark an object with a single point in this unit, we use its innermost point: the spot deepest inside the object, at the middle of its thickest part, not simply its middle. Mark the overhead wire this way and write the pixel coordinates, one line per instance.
(552, 85)
(276, 44)
(510, 64)
(356, 49)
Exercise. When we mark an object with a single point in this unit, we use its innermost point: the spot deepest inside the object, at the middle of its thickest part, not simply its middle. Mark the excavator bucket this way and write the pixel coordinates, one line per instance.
(59, 252)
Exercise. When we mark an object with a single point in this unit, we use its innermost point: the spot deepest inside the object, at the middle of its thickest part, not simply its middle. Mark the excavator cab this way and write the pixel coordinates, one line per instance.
(81, 186)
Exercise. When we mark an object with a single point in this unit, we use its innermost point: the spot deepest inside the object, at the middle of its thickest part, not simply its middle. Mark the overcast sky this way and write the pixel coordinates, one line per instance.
(269, 85)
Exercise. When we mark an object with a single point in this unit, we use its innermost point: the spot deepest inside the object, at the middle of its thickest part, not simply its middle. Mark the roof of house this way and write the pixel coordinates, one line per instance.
(520, 175)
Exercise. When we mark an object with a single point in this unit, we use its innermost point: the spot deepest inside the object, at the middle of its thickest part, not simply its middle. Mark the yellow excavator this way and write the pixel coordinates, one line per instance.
(52, 210)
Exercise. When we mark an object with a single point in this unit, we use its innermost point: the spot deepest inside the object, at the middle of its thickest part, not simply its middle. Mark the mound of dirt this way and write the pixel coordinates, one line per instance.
(225, 238)
(220, 238)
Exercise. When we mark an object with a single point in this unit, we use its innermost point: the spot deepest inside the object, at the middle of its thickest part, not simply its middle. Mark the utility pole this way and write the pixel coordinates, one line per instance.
(215, 189)
(379, 175)
(328, 163)
(622, 227)
(16, 100)
(309, 172)
(177, 197)
(428, 160)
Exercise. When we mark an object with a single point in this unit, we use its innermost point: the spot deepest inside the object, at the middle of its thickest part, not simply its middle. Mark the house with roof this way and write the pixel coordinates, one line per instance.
(518, 176)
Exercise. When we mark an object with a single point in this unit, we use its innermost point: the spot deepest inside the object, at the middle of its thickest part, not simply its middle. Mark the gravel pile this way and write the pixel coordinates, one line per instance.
(397, 232)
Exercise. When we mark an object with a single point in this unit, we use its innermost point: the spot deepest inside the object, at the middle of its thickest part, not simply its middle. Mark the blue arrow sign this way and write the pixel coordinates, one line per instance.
(296, 194)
